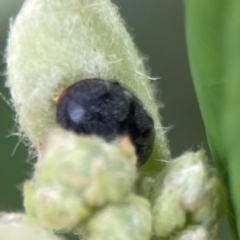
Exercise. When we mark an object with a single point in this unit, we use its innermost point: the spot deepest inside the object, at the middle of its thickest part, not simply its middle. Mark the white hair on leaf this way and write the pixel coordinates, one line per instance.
(55, 43)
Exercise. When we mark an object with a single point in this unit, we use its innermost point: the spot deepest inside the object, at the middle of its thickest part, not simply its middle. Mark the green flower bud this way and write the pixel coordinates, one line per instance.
(193, 233)
(75, 176)
(168, 215)
(128, 221)
(17, 226)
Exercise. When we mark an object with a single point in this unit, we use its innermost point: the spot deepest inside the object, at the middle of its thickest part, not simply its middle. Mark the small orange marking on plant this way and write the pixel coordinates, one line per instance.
(56, 99)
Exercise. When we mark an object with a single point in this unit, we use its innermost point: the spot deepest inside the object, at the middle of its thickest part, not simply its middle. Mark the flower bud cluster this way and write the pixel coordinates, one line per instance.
(86, 185)
(188, 199)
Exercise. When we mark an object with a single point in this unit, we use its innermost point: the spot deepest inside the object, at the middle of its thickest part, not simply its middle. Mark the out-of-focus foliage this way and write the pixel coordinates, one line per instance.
(213, 37)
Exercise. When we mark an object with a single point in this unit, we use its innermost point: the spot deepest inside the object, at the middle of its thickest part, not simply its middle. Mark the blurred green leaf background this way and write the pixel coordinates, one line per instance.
(158, 30)
(212, 30)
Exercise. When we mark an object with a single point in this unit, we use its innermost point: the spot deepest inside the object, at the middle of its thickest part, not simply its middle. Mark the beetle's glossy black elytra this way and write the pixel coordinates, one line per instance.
(105, 108)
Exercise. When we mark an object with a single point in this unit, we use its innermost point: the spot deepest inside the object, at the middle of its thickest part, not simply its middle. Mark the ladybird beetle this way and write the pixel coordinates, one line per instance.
(106, 109)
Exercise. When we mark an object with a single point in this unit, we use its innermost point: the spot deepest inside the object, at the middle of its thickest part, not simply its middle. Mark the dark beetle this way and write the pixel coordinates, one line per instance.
(105, 108)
